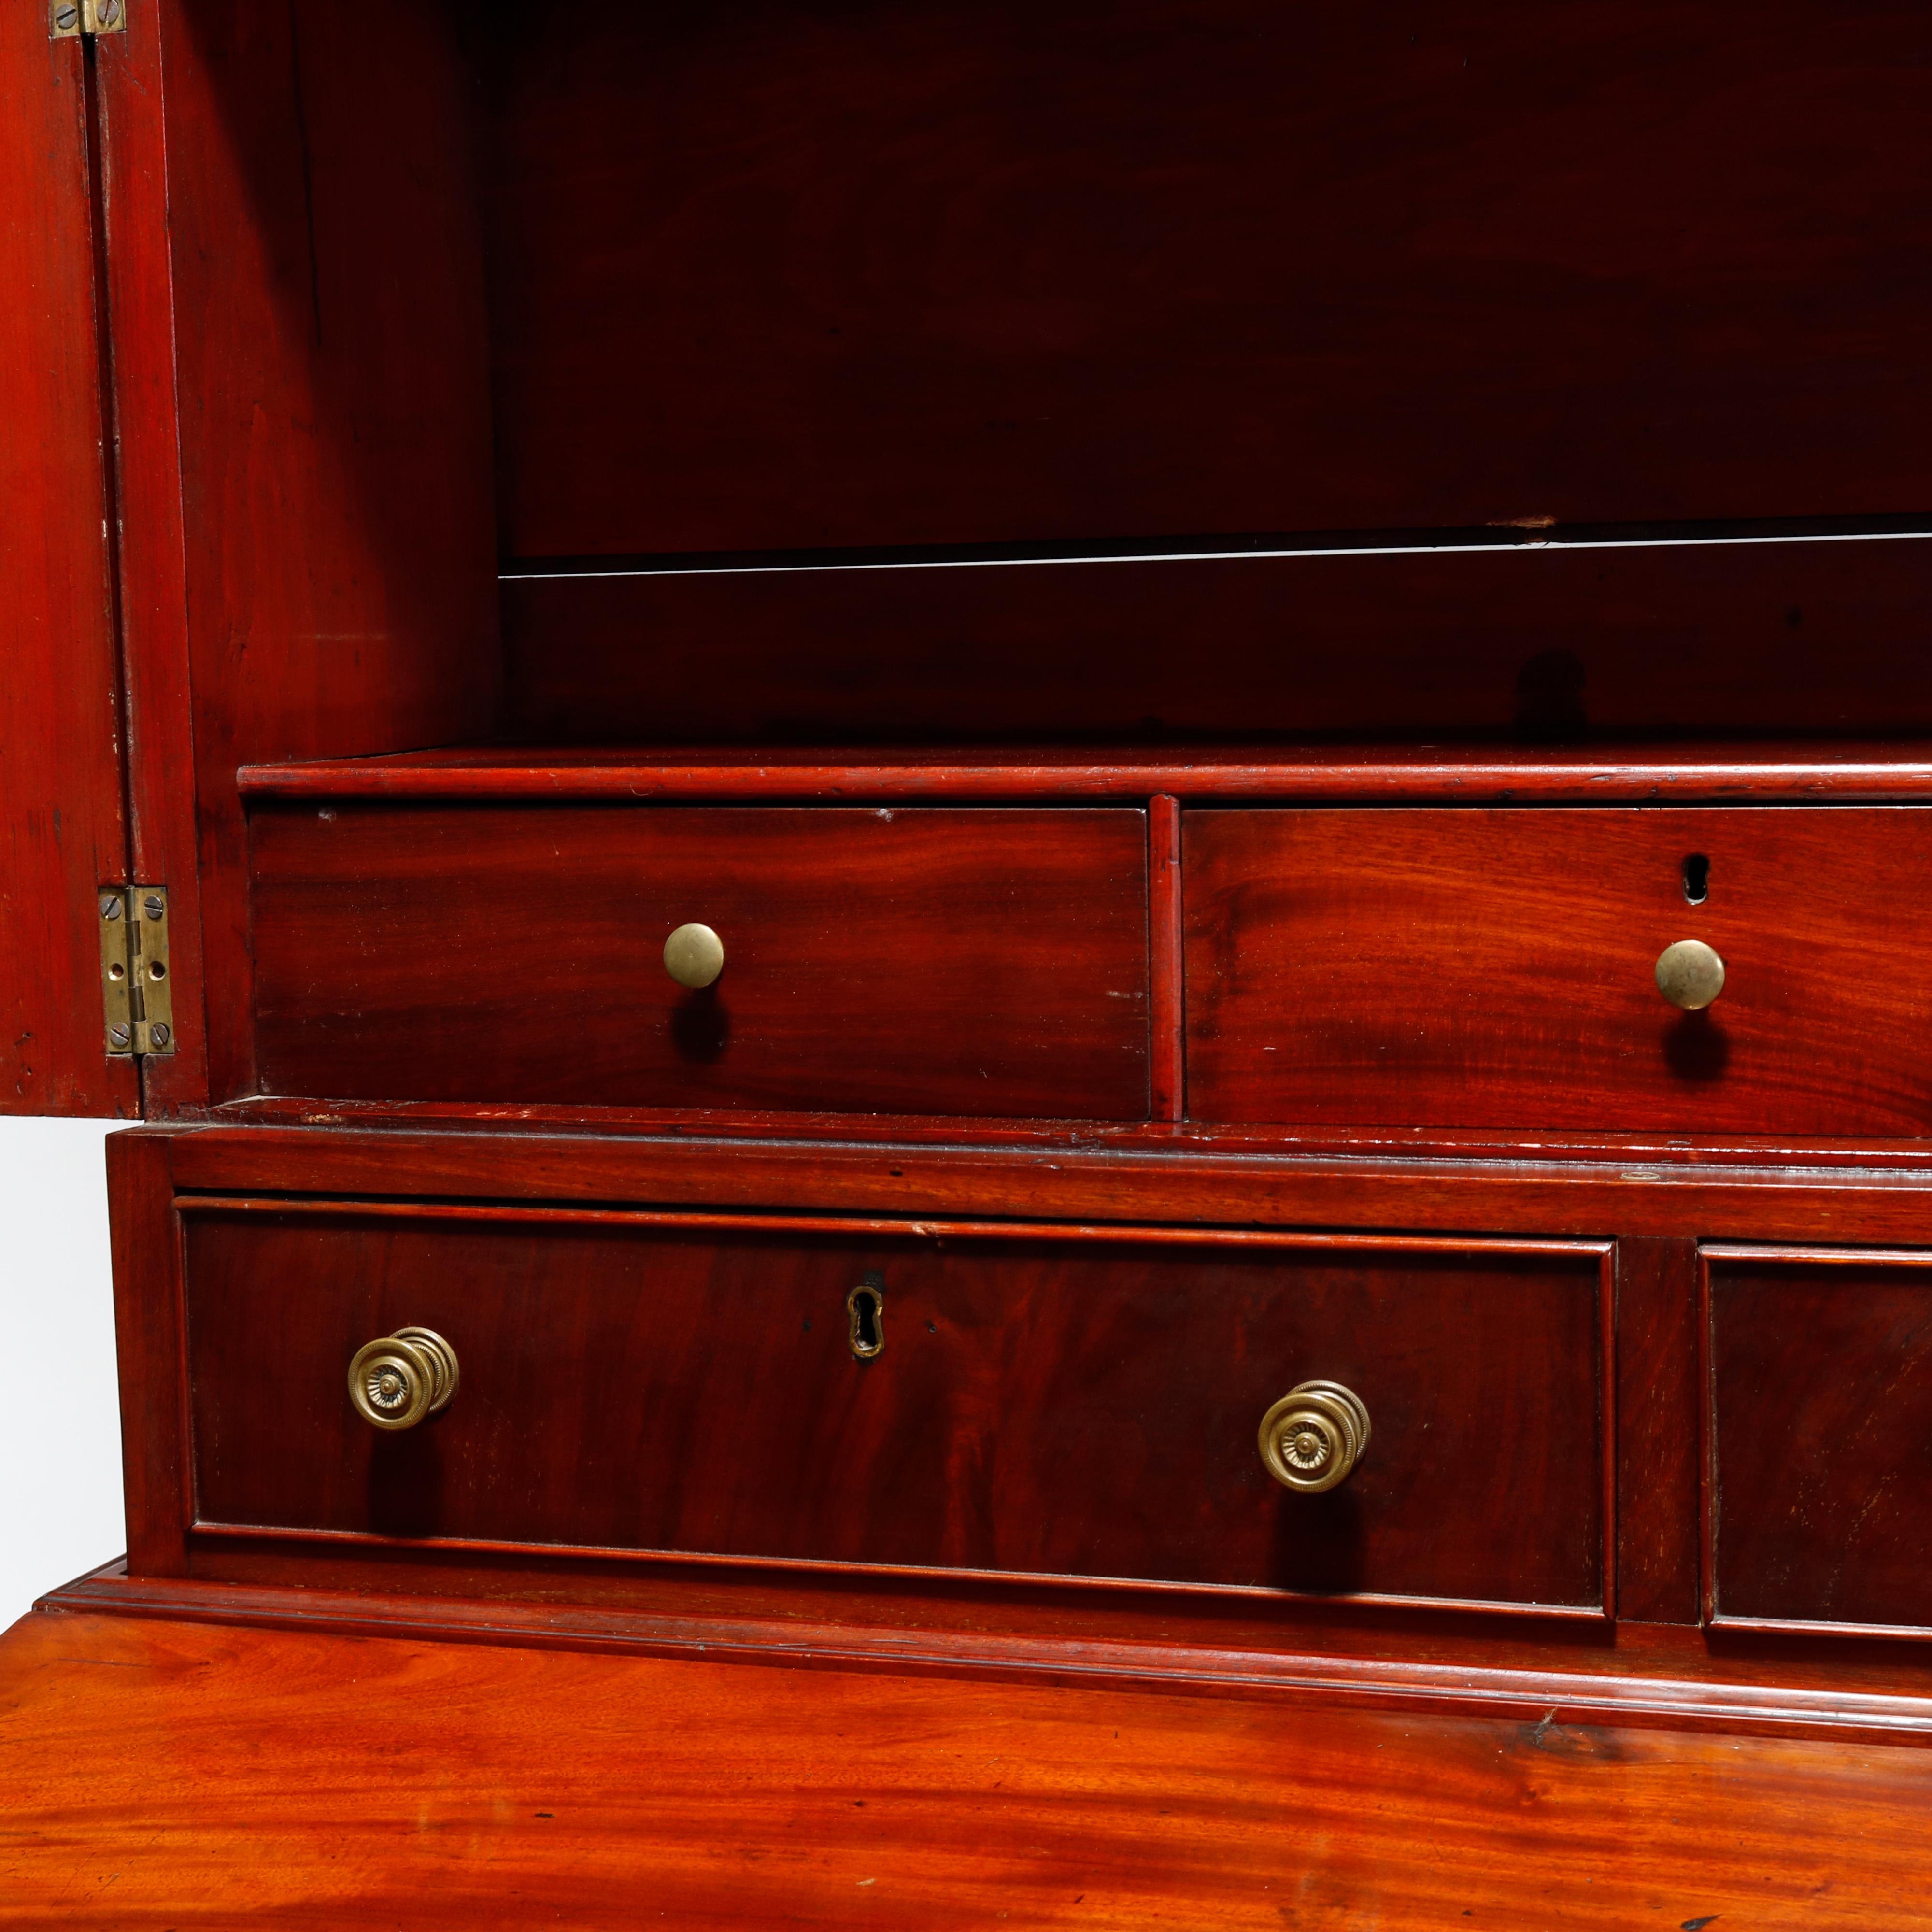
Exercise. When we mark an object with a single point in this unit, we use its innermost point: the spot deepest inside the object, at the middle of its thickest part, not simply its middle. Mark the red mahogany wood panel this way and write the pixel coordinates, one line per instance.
(470, 1785)
(1495, 968)
(1042, 1406)
(973, 274)
(295, 250)
(973, 962)
(1545, 641)
(61, 780)
(1818, 1505)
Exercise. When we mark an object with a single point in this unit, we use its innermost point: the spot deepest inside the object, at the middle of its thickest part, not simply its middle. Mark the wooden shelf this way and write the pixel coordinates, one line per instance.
(1339, 775)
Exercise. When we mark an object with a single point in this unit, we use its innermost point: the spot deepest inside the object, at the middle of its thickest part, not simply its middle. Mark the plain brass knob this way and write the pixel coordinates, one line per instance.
(1690, 975)
(1314, 1436)
(694, 956)
(395, 1382)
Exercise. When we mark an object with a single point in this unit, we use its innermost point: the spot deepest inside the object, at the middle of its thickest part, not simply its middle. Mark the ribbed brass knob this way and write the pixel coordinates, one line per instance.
(397, 1381)
(1314, 1436)
(694, 956)
(1690, 975)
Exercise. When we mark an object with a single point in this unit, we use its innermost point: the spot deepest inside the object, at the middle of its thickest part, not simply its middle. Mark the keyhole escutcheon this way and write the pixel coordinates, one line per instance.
(865, 1310)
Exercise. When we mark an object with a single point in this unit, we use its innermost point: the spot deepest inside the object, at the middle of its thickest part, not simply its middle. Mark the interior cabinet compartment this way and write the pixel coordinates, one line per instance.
(950, 1398)
(973, 962)
(1819, 1437)
(1497, 968)
(517, 376)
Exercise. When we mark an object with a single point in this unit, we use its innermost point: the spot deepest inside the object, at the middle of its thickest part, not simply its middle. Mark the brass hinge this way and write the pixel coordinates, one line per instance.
(134, 983)
(69, 20)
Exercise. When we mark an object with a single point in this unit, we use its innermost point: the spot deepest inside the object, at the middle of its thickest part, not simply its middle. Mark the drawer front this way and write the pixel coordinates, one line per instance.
(1819, 1435)
(1497, 968)
(1078, 1407)
(980, 962)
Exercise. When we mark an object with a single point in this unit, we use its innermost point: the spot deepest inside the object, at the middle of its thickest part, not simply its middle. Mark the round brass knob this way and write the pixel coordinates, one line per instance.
(1314, 1436)
(1690, 975)
(397, 1381)
(694, 956)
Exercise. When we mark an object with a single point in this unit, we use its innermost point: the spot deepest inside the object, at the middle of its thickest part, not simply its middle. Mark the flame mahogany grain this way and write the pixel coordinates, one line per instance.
(1041, 1405)
(1480, 968)
(472, 1785)
(1076, 537)
(979, 962)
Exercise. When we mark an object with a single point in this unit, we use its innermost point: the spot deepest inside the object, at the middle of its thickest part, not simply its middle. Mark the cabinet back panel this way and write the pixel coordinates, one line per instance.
(769, 276)
(1545, 642)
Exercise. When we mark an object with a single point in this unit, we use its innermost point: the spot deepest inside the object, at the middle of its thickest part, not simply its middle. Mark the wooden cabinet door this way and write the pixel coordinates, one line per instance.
(61, 789)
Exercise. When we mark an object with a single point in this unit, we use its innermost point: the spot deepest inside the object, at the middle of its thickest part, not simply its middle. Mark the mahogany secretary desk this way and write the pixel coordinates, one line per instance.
(1027, 916)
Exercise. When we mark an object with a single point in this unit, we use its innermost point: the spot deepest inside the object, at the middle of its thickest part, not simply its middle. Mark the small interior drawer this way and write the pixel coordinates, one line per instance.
(1498, 968)
(989, 962)
(1042, 1404)
(1819, 1436)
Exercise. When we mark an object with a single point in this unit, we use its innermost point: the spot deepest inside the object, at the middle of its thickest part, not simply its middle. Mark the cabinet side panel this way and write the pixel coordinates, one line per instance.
(317, 406)
(60, 754)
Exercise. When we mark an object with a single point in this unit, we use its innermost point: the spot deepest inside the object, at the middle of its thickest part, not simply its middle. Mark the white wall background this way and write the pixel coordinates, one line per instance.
(60, 1425)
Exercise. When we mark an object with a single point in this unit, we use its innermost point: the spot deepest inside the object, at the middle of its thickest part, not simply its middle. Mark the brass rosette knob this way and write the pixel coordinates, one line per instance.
(1313, 1437)
(397, 1381)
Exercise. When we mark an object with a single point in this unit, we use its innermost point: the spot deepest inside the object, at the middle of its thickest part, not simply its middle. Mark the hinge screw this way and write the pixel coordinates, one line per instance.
(154, 905)
(110, 12)
(66, 18)
(110, 907)
(119, 1035)
(158, 1034)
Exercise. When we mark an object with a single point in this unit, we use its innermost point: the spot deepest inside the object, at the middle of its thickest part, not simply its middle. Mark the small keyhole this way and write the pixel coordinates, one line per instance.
(1697, 878)
(866, 1306)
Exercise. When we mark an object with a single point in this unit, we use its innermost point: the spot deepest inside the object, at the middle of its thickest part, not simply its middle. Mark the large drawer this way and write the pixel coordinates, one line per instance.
(1084, 1406)
(1497, 968)
(933, 962)
(1819, 1437)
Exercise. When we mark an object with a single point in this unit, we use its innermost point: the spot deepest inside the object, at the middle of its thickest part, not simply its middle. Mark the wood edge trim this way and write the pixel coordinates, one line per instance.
(1773, 1254)
(1606, 1405)
(1808, 1626)
(1488, 1167)
(682, 1559)
(740, 1127)
(910, 1228)
(1472, 782)
(1707, 1448)
(1545, 1698)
